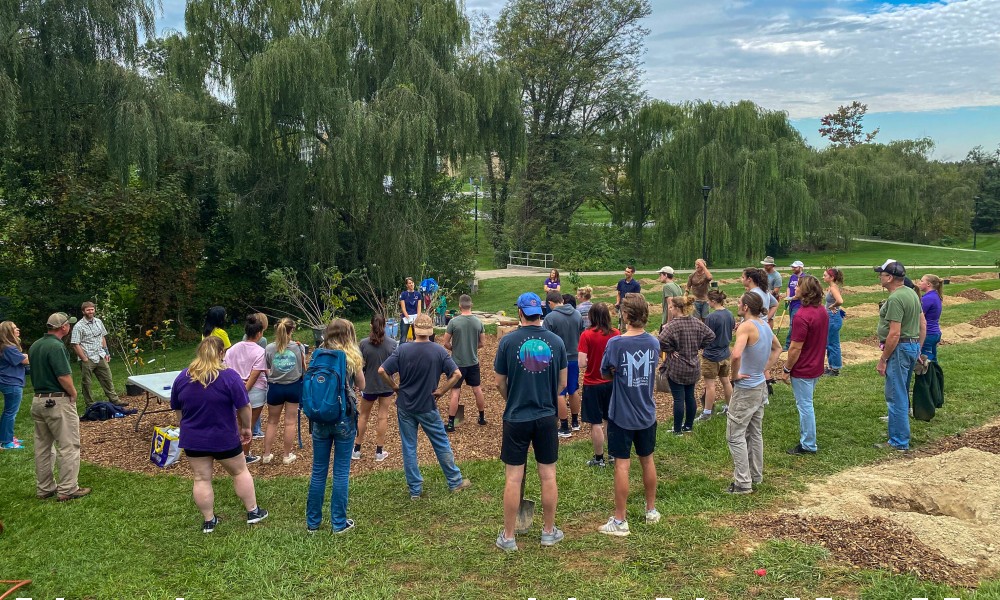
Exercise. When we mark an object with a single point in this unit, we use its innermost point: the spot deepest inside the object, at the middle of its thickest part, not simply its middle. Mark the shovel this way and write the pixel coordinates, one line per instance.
(526, 509)
(460, 414)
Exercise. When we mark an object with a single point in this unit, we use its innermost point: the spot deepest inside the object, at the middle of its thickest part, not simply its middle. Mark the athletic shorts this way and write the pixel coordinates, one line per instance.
(596, 399)
(572, 378)
(374, 397)
(470, 376)
(714, 370)
(258, 397)
(279, 393)
(620, 441)
(540, 434)
(223, 455)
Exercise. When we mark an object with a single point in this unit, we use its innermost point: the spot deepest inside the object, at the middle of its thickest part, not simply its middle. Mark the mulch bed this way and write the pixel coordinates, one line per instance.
(867, 543)
(975, 294)
(985, 438)
(871, 340)
(990, 319)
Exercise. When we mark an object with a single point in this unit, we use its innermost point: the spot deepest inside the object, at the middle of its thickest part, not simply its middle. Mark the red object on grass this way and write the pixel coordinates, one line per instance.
(761, 572)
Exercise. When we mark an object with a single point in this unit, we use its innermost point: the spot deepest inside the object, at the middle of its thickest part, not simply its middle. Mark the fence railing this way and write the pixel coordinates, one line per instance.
(530, 260)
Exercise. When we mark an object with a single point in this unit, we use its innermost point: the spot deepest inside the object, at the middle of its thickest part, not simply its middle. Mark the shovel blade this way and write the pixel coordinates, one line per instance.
(525, 515)
(460, 414)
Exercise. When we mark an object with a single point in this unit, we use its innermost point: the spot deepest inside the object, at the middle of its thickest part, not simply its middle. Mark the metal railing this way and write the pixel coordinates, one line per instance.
(518, 259)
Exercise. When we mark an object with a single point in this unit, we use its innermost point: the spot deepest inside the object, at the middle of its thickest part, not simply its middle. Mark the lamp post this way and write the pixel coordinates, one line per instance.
(705, 189)
(975, 224)
(475, 191)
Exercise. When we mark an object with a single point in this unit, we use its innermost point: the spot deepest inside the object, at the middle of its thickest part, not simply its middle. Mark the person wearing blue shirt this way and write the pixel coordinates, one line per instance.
(410, 305)
(629, 285)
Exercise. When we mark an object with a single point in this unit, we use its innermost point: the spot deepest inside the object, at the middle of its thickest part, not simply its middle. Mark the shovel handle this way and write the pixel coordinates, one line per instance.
(524, 479)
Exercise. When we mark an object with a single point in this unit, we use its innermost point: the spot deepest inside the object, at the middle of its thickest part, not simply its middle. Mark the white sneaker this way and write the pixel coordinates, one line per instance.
(356, 455)
(380, 456)
(652, 516)
(289, 459)
(267, 458)
(616, 529)
(884, 419)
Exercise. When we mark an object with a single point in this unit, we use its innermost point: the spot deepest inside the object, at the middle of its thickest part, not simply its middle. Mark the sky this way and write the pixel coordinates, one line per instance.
(924, 68)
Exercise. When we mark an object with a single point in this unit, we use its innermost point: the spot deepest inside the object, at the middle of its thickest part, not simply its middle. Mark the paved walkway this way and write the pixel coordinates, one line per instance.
(501, 273)
(877, 241)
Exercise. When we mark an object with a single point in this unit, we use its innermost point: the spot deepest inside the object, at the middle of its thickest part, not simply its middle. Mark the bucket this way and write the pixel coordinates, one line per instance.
(392, 329)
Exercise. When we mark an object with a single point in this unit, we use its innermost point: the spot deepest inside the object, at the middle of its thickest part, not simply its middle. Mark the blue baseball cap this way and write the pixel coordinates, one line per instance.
(529, 303)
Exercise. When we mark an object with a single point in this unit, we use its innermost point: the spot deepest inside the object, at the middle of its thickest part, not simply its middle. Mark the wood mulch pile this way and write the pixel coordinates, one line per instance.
(985, 438)
(990, 319)
(866, 543)
(871, 340)
(975, 294)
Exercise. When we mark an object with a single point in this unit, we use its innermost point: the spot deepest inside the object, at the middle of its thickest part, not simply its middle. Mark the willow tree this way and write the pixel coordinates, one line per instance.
(755, 162)
(347, 111)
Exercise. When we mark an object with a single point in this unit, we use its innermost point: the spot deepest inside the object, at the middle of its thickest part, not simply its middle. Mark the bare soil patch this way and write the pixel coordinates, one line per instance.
(974, 294)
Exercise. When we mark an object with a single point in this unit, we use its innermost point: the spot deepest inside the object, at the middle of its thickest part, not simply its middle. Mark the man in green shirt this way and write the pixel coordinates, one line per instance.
(464, 337)
(901, 330)
(670, 289)
(53, 410)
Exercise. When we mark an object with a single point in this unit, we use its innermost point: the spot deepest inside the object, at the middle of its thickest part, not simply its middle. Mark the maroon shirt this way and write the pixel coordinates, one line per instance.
(811, 326)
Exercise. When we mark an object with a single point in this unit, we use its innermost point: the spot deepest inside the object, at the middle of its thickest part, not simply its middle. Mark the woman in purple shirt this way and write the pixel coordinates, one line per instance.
(207, 399)
(930, 301)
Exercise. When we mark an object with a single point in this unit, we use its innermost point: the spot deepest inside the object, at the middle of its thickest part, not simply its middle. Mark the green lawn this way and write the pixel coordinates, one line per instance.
(138, 536)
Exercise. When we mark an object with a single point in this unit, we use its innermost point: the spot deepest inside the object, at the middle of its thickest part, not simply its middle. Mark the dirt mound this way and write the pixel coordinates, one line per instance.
(974, 294)
(950, 502)
(974, 277)
(994, 294)
(966, 332)
(866, 543)
(990, 319)
(953, 300)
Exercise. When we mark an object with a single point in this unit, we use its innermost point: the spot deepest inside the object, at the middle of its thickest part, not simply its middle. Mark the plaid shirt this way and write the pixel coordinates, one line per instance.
(90, 335)
(681, 339)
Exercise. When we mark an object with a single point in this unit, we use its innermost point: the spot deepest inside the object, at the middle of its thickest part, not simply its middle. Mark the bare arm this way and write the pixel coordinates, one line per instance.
(249, 383)
(794, 350)
(359, 380)
(66, 381)
(775, 353)
(501, 382)
(448, 384)
(245, 414)
(482, 339)
(838, 300)
(582, 361)
(388, 379)
(79, 352)
(563, 377)
(446, 341)
(737, 353)
(402, 308)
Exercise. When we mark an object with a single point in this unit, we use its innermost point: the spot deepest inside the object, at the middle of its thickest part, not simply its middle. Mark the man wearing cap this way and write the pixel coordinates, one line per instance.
(530, 368)
(420, 366)
(89, 341)
(670, 289)
(53, 410)
(901, 329)
(794, 302)
(773, 277)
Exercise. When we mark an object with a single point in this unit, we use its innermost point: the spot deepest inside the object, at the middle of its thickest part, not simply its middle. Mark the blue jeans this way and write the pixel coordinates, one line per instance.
(434, 430)
(833, 357)
(791, 322)
(929, 349)
(803, 390)
(898, 371)
(340, 439)
(11, 402)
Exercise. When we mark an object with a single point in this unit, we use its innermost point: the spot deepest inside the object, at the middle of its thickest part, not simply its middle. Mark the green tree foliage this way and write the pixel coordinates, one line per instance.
(985, 167)
(579, 63)
(844, 127)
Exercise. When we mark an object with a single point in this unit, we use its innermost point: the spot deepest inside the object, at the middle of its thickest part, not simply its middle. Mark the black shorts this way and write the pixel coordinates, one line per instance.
(620, 441)
(374, 397)
(540, 434)
(596, 399)
(279, 393)
(216, 455)
(470, 376)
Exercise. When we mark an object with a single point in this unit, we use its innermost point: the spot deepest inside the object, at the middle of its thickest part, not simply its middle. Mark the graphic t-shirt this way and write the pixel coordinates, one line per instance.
(245, 357)
(903, 306)
(793, 284)
(631, 361)
(698, 284)
(811, 326)
(531, 358)
(465, 330)
(374, 356)
(593, 343)
(410, 301)
(628, 287)
(208, 414)
(420, 366)
(722, 323)
(286, 366)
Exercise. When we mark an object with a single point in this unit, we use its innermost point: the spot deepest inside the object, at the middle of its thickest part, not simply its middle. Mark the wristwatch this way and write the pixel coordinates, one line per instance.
(786, 370)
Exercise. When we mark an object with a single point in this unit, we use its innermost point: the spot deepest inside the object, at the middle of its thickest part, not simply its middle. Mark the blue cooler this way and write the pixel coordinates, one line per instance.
(392, 329)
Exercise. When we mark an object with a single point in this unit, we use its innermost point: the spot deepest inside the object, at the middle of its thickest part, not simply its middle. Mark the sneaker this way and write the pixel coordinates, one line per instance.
(506, 544)
(735, 489)
(350, 526)
(251, 459)
(596, 462)
(481, 421)
(420, 496)
(723, 409)
(449, 427)
(652, 516)
(884, 419)
(356, 455)
(258, 436)
(831, 373)
(15, 445)
(553, 538)
(611, 460)
(267, 458)
(880, 446)
(703, 417)
(311, 531)
(798, 449)
(678, 433)
(209, 526)
(616, 529)
(45, 495)
(564, 432)
(379, 456)
(289, 459)
(466, 484)
(79, 493)
(256, 516)
(575, 426)
(686, 429)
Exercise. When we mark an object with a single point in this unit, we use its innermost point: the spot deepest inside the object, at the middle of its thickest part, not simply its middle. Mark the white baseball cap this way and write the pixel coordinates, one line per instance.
(799, 264)
(667, 270)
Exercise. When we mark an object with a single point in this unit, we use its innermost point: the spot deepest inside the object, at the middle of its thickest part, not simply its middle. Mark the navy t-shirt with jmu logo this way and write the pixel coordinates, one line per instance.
(531, 358)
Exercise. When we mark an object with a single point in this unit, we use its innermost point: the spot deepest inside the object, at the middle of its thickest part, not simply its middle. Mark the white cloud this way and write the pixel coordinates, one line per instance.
(787, 47)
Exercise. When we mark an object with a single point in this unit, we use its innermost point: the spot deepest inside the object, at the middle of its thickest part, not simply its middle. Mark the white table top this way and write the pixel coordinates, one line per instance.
(158, 384)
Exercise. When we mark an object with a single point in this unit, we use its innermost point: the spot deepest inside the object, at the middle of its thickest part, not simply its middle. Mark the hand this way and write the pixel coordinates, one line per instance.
(107, 358)
(437, 393)
(738, 376)
(246, 435)
(882, 364)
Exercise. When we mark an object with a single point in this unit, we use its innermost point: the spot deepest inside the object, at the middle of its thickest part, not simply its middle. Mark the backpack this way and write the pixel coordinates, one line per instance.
(429, 286)
(326, 395)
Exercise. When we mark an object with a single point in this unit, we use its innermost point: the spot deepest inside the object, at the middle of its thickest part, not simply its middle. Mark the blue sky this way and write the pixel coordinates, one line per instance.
(925, 69)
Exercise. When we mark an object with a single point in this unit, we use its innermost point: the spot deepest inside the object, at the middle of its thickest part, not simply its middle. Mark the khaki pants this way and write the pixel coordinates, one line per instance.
(59, 424)
(102, 370)
(745, 435)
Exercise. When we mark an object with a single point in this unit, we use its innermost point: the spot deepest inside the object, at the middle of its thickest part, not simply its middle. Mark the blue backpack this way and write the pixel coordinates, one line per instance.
(429, 286)
(326, 396)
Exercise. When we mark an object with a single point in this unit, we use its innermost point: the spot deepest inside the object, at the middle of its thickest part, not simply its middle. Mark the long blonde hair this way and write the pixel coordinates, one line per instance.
(7, 337)
(283, 334)
(207, 362)
(339, 335)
